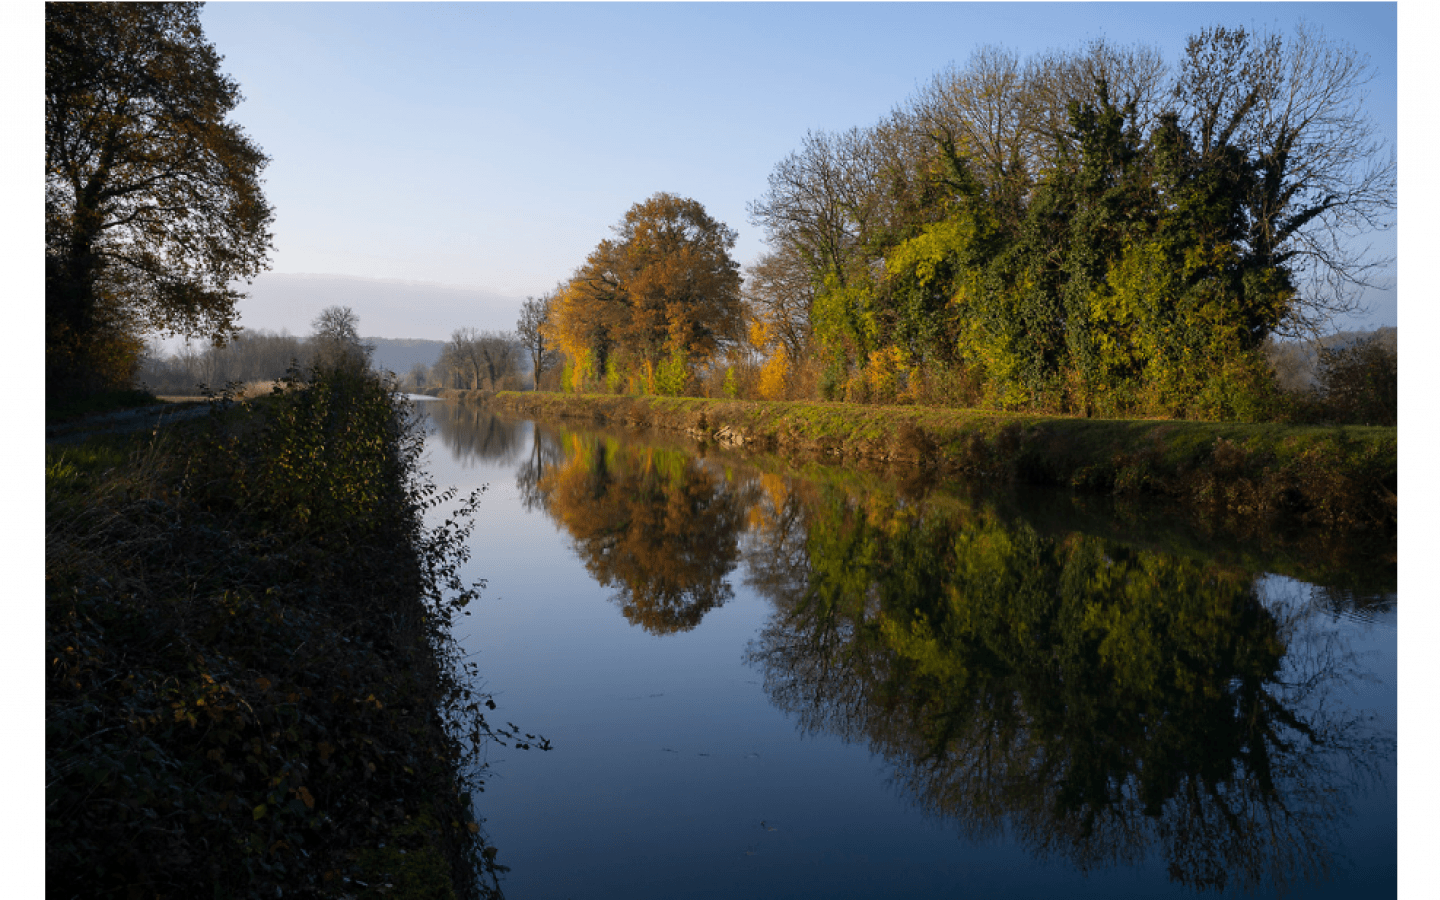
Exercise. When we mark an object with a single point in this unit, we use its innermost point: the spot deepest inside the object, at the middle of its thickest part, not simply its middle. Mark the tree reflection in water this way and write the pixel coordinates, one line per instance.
(1098, 701)
(660, 527)
(1101, 702)
(472, 433)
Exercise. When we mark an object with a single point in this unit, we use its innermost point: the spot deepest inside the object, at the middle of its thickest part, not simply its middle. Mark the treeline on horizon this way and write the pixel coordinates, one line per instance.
(1090, 232)
(472, 359)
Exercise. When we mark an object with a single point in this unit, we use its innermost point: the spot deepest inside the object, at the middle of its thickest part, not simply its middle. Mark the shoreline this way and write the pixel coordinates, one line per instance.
(1331, 477)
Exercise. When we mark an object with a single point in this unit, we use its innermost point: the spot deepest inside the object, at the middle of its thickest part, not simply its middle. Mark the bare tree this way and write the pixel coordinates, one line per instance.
(497, 350)
(822, 201)
(336, 340)
(482, 356)
(462, 354)
(778, 294)
(534, 314)
(983, 110)
(1133, 76)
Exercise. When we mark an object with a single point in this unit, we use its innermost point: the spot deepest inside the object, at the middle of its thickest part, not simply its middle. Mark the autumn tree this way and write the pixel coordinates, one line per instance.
(153, 202)
(664, 291)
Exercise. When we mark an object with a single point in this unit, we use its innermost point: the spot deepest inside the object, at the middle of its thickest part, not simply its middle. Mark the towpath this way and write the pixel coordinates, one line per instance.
(123, 421)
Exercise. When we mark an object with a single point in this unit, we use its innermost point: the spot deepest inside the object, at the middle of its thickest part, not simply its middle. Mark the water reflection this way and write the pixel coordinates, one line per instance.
(1100, 701)
(472, 433)
(656, 525)
(1097, 702)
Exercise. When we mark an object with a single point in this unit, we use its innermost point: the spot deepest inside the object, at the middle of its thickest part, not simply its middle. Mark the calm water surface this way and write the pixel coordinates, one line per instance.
(759, 684)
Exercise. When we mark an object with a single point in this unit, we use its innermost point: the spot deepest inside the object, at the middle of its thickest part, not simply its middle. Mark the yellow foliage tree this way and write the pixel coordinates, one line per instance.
(665, 286)
(775, 376)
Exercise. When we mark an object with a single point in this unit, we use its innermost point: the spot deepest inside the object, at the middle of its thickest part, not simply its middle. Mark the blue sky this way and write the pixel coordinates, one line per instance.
(491, 146)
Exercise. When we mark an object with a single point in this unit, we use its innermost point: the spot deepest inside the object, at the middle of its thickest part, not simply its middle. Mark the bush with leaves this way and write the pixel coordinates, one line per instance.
(251, 684)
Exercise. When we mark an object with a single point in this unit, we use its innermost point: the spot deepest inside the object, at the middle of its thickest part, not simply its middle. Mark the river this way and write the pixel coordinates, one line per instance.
(770, 679)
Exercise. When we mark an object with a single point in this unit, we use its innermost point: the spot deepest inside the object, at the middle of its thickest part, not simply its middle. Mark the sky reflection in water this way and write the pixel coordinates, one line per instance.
(830, 687)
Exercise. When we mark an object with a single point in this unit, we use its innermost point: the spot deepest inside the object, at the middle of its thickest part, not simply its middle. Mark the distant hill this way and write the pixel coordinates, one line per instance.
(400, 355)
(385, 306)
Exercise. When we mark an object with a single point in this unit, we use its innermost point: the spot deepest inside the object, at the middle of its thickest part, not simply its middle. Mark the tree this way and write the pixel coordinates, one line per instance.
(1295, 107)
(462, 355)
(822, 201)
(153, 203)
(1358, 381)
(480, 356)
(496, 350)
(336, 342)
(778, 297)
(534, 314)
(665, 290)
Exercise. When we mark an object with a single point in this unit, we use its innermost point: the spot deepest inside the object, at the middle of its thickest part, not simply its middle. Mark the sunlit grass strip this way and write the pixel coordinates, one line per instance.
(1332, 476)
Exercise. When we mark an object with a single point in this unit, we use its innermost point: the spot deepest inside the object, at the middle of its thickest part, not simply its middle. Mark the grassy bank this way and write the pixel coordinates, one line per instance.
(251, 689)
(1332, 477)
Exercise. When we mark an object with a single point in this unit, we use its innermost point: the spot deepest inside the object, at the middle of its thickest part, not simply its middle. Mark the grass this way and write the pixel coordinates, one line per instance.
(1339, 477)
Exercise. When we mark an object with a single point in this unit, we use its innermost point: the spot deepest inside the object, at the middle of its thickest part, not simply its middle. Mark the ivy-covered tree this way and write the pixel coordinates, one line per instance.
(1088, 232)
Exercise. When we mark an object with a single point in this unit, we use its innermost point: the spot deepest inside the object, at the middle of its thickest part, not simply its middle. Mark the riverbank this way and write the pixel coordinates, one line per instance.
(1342, 477)
(250, 684)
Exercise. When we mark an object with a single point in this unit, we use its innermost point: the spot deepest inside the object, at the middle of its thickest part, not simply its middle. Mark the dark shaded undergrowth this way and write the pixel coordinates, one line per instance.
(1333, 477)
(251, 688)
(61, 408)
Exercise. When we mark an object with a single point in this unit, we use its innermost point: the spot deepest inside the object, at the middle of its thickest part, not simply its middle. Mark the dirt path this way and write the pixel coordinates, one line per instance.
(123, 421)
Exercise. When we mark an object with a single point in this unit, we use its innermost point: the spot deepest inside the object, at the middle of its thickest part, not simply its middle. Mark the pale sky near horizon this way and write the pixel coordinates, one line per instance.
(491, 146)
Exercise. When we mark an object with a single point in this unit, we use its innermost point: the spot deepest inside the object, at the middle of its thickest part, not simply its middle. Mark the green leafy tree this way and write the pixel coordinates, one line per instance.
(153, 206)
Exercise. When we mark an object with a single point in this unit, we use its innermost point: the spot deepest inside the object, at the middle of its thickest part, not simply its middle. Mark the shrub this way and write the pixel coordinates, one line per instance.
(672, 376)
(774, 375)
(1359, 383)
(250, 680)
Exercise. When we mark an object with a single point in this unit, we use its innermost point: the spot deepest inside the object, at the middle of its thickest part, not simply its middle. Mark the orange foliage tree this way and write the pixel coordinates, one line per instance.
(664, 289)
